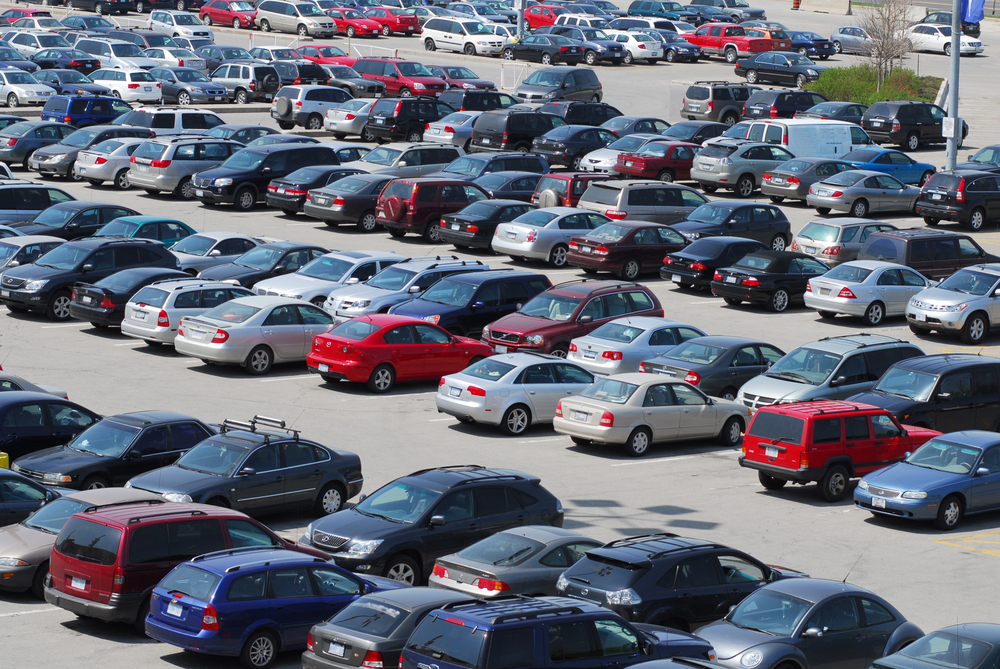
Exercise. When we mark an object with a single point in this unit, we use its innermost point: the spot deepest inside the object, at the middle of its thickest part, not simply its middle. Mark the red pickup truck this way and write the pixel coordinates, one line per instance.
(727, 40)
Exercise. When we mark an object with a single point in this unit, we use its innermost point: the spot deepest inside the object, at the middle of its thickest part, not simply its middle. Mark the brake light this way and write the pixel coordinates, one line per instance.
(960, 193)
(440, 571)
(72, 295)
(895, 125)
(12, 141)
(804, 461)
(716, 277)
(491, 585)
(573, 348)
(163, 320)
(612, 355)
(607, 419)
(793, 180)
(642, 46)
(847, 294)
(774, 112)
(399, 108)
(220, 336)
(427, 126)
(698, 266)
(298, 103)
(668, 261)
(559, 409)
(350, 117)
(709, 106)
(750, 281)
(131, 160)
(809, 288)
(766, 177)
(67, 118)
(476, 391)
(601, 251)
(504, 139)
(784, 139)
(309, 643)
(566, 48)
(642, 367)
(160, 163)
(100, 160)
(532, 236)
(107, 304)
(373, 660)
(294, 191)
(74, 63)
(271, 188)
(837, 193)
(180, 331)
(119, 580)
(443, 224)
(693, 378)
(573, 246)
(210, 619)
(448, 128)
(795, 246)
(252, 86)
(339, 201)
(472, 228)
(615, 214)
(831, 251)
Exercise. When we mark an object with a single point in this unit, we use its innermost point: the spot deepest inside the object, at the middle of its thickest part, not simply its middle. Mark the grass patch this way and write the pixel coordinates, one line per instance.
(857, 84)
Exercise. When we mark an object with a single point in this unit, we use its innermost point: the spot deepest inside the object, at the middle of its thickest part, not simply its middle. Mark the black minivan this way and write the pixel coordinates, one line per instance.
(242, 180)
(511, 129)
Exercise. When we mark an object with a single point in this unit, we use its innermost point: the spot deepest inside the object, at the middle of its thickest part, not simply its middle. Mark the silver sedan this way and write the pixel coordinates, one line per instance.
(107, 161)
(604, 160)
(166, 57)
(512, 390)
(454, 129)
(254, 332)
(619, 346)
(860, 192)
(869, 289)
(350, 118)
(544, 234)
(208, 249)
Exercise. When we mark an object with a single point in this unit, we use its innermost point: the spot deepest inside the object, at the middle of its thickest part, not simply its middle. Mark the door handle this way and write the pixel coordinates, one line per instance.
(859, 638)
(879, 442)
(848, 445)
(685, 595)
(279, 479)
(309, 331)
(531, 392)
(267, 332)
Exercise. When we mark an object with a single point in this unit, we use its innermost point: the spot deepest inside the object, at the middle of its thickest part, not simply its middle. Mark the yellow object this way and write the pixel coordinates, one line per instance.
(4, 460)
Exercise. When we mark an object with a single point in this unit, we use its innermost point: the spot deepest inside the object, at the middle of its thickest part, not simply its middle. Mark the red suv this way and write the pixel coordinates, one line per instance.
(538, 16)
(402, 78)
(548, 322)
(566, 187)
(417, 205)
(106, 562)
(828, 441)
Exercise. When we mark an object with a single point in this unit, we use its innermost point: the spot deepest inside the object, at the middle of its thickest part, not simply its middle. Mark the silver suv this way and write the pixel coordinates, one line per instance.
(736, 164)
(718, 101)
(154, 313)
(317, 278)
(966, 304)
(306, 105)
(247, 82)
(166, 164)
(655, 201)
(403, 281)
(833, 368)
(171, 120)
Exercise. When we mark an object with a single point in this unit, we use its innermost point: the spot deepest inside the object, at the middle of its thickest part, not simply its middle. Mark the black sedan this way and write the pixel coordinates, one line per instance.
(12, 58)
(597, 45)
(774, 278)
(351, 200)
(812, 45)
(695, 132)
(778, 68)
(967, 645)
(835, 111)
(474, 226)
(289, 192)
(20, 497)
(509, 185)
(765, 223)
(986, 159)
(115, 449)
(66, 59)
(696, 263)
(545, 49)
(264, 262)
(70, 82)
(813, 621)
(243, 133)
(103, 303)
(345, 77)
(96, 24)
(73, 219)
(215, 55)
(33, 421)
(568, 144)
(708, 14)
(185, 86)
(676, 48)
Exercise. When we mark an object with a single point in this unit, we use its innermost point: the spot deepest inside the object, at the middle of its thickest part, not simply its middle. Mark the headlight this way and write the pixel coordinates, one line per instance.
(222, 182)
(914, 494)
(692, 235)
(419, 86)
(624, 597)
(12, 562)
(433, 319)
(364, 547)
(550, 95)
(176, 497)
(863, 484)
(955, 307)
(562, 583)
(295, 297)
(486, 333)
(57, 478)
(469, 86)
(598, 48)
(812, 73)
(534, 339)
(751, 658)
(35, 286)
(57, 158)
(362, 304)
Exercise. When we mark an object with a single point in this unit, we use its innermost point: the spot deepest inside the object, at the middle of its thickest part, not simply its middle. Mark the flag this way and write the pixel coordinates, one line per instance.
(973, 11)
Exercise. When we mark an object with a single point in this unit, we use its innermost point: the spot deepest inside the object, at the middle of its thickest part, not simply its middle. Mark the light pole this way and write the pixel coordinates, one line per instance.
(953, 120)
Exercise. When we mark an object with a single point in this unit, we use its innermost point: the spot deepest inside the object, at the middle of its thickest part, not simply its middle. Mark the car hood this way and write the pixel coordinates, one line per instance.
(940, 296)
(888, 402)
(355, 293)
(521, 324)
(478, 83)
(32, 228)
(56, 149)
(19, 541)
(228, 270)
(695, 226)
(422, 308)
(290, 283)
(984, 167)
(33, 88)
(778, 389)
(204, 85)
(530, 88)
(904, 476)
(221, 172)
(353, 524)
(34, 271)
(730, 640)
(177, 479)
(667, 638)
(84, 88)
(60, 459)
(142, 63)
(603, 154)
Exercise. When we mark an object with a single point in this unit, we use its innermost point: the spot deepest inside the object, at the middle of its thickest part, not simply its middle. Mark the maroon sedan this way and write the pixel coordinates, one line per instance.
(666, 161)
(393, 20)
(235, 13)
(625, 248)
(461, 77)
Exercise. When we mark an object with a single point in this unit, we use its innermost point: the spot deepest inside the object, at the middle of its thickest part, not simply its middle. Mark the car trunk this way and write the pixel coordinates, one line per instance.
(778, 438)
(464, 573)
(346, 649)
(516, 233)
(665, 368)
(825, 287)
(198, 330)
(580, 411)
(943, 189)
(90, 296)
(180, 611)
(84, 558)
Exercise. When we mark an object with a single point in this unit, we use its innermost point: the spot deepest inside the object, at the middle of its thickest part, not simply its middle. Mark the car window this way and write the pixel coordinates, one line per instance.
(264, 459)
(745, 357)
(853, 370)
(290, 583)
(840, 615)
(64, 415)
(658, 396)
(698, 572)
(331, 583)
(884, 428)
(738, 570)
(12, 490)
(245, 533)
(283, 315)
(572, 641)
(457, 506)
(152, 442)
(875, 613)
(616, 639)
(687, 395)
(856, 427)
(311, 315)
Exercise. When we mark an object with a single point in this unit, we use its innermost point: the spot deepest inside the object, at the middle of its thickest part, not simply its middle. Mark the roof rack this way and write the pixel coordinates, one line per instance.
(416, 258)
(251, 426)
(492, 477)
(542, 608)
(95, 507)
(722, 83)
(635, 539)
(284, 558)
(620, 284)
(193, 512)
(233, 551)
(892, 340)
(446, 468)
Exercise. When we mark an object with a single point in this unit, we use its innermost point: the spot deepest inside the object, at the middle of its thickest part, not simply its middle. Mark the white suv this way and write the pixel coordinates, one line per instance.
(465, 35)
(178, 24)
(172, 120)
(583, 21)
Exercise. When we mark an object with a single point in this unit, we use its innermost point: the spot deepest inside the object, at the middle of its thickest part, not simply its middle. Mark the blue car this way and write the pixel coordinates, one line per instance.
(893, 162)
(597, 45)
(947, 478)
(251, 602)
(812, 45)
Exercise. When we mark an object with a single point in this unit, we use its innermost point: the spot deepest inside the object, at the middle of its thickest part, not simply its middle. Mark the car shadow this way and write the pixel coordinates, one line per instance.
(985, 522)
(119, 633)
(858, 324)
(674, 449)
(360, 389)
(109, 332)
(179, 658)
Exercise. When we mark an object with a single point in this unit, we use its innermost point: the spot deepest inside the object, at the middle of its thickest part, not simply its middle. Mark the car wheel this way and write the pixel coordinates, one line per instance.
(730, 119)
(242, 98)
(289, 212)
(822, 211)
(833, 485)
(314, 122)
(415, 136)
(404, 92)
(777, 199)
(918, 331)
(779, 300)
(185, 189)
(330, 500)
(732, 301)
(803, 51)
(708, 188)
(744, 187)
(38, 581)
(236, 24)
(912, 141)
(931, 221)
(382, 379)
(666, 175)
(800, 81)
(26, 159)
(121, 180)
(265, 26)
(976, 219)
(630, 270)
(245, 199)
(95, 182)
(557, 256)
(508, 54)
(342, 135)
(432, 232)
(769, 482)
(285, 125)
(397, 233)
(827, 314)
(259, 361)
(732, 431)
(838, 47)
(731, 55)
(778, 243)
(386, 31)
(560, 351)
(350, 31)
(949, 513)
(470, 49)
(590, 58)
(728, 393)
(368, 222)
(12, 100)
(94, 483)
(947, 49)
(151, 191)
(58, 309)
(874, 313)
(628, 58)
(429, 45)
(976, 327)
(515, 420)
(402, 568)
(139, 7)
(638, 442)
(366, 134)
(860, 208)
(302, 30)
(671, 55)
(546, 59)
(140, 618)
(751, 76)
(99, 9)
(260, 650)
(116, 94)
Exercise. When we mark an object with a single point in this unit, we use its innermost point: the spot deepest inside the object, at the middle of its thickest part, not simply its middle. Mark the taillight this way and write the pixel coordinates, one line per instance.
(709, 106)
(698, 266)
(119, 580)
(766, 177)
(252, 86)
(220, 336)
(809, 288)
(960, 193)
(532, 236)
(566, 48)
(448, 128)
(100, 160)
(774, 112)
(795, 245)
(472, 228)
(298, 80)
(350, 117)
(837, 193)
(559, 409)
(804, 461)
(601, 251)
(294, 191)
(271, 188)
(642, 46)
(160, 163)
(180, 331)
(210, 619)
(612, 355)
(298, 103)
(12, 141)
(642, 366)
(831, 251)
(441, 382)
(131, 160)
(607, 419)
(573, 246)
(427, 126)
(716, 277)
(895, 125)
(846, 293)
(784, 139)
(750, 281)
(399, 108)
(373, 660)
(491, 585)
(163, 320)
(793, 180)
(133, 85)
(668, 261)
(309, 643)
(339, 201)
(615, 214)
(504, 139)
(693, 378)
(440, 571)
(67, 118)
(476, 391)
(107, 304)
(573, 348)
(72, 295)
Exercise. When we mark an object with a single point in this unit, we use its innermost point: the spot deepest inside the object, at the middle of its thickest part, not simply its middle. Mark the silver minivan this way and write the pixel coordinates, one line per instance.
(302, 18)
(655, 201)
(166, 164)
(116, 54)
(154, 313)
(405, 160)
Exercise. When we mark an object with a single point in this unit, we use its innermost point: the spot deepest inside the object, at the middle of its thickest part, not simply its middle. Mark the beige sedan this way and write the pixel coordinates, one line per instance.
(637, 410)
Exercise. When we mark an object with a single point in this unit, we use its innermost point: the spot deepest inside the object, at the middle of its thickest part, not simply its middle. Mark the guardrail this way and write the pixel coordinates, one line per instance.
(384, 51)
(512, 73)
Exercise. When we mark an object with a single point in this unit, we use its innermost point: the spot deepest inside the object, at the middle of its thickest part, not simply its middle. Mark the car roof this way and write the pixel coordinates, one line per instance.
(584, 287)
(727, 341)
(264, 301)
(106, 496)
(820, 408)
(25, 240)
(520, 608)
(849, 220)
(420, 596)
(145, 418)
(363, 255)
(444, 478)
(125, 516)
(852, 342)
(938, 363)
(814, 589)
(644, 548)
(543, 533)
(874, 264)
(236, 560)
(911, 233)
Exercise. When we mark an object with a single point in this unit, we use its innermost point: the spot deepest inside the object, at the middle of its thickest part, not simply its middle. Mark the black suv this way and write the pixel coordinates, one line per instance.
(944, 18)
(780, 103)
(970, 197)
(469, 100)
(395, 119)
(669, 580)
(578, 112)
(511, 129)
(403, 527)
(264, 262)
(46, 285)
(907, 123)
(934, 253)
(294, 73)
(71, 220)
(720, 101)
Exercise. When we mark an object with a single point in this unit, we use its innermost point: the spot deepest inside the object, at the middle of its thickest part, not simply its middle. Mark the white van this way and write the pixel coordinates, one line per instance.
(811, 138)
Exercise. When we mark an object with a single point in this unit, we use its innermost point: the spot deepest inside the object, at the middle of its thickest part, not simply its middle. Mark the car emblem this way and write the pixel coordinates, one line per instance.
(325, 540)
(585, 591)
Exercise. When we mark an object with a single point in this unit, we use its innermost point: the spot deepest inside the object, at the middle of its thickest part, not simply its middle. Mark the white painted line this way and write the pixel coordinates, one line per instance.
(68, 325)
(440, 420)
(649, 462)
(538, 441)
(15, 614)
(128, 343)
(708, 302)
(287, 378)
(294, 224)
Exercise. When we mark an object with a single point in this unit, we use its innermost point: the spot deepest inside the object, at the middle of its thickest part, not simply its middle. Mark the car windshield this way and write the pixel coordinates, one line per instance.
(458, 118)
(327, 269)
(609, 390)
(186, 20)
(285, 54)
(465, 165)
(945, 456)
(54, 217)
(948, 649)
(536, 218)
(241, 160)
(751, 261)
(551, 307)
(848, 273)
(218, 456)
(349, 185)
(107, 438)
(241, 6)
(188, 76)
(692, 352)
(118, 228)
(805, 365)
(381, 156)
(355, 329)
(413, 70)
(191, 581)
(7, 55)
(969, 282)
(654, 149)
(195, 245)
(371, 618)
(916, 386)
(770, 611)
(450, 293)
(738, 131)
(398, 501)
(80, 139)
(476, 28)
(711, 213)
(126, 50)
(235, 53)
(66, 256)
(489, 369)
(231, 312)
(393, 278)
(594, 34)
(443, 640)
(987, 156)
(609, 232)
(617, 332)
(501, 550)
(352, 14)
(262, 258)
(51, 517)
(545, 78)
(626, 143)
(309, 10)
(107, 146)
(681, 131)
(820, 232)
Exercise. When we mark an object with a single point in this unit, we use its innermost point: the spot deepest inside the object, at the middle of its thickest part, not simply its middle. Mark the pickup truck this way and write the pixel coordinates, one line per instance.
(728, 41)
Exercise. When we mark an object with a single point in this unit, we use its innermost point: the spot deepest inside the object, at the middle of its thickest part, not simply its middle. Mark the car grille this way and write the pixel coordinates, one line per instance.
(882, 492)
(12, 282)
(510, 337)
(31, 473)
(614, 49)
(756, 401)
(928, 306)
(328, 540)
(200, 182)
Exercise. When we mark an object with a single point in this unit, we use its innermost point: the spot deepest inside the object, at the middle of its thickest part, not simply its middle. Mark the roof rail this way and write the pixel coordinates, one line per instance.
(446, 467)
(892, 340)
(234, 551)
(293, 557)
(193, 512)
(251, 426)
(464, 263)
(416, 258)
(620, 284)
(96, 507)
(492, 477)
(723, 83)
(635, 539)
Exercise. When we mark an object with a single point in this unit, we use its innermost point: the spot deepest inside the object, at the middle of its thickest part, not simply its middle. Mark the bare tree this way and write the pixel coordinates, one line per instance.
(886, 26)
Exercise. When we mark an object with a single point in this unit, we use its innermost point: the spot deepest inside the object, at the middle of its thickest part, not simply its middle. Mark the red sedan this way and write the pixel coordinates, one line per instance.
(235, 13)
(351, 22)
(539, 16)
(381, 349)
(393, 20)
(666, 161)
(325, 55)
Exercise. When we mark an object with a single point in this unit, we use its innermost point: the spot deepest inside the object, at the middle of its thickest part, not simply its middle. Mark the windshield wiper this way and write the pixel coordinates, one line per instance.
(372, 514)
(514, 556)
(39, 527)
(756, 629)
(791, 376)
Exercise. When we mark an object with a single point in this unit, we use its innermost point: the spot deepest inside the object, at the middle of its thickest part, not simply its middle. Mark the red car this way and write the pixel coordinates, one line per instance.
(461, 77)
(325, 55)
(351, 22)
(566, 187)
(381, 349)
(539, 16)
(393, 20)
(625, 248)
(15, 14)
(235, 13)
(666, 161)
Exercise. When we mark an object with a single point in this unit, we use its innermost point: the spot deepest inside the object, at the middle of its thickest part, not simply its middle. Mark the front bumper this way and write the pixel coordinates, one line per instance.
(937, 320)
(32, 301)
(216, 194)
(124, 610)
(48, 167)
(212, 352)
(605, 435)
(17, 579)
(204, 641)
(917, 509)
(783, 473)
(837, 305)
(943, 211)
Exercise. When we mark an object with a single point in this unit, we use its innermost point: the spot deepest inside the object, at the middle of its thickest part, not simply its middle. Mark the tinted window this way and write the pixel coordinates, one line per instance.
(91, 542)
(511, 648)
(248, 588)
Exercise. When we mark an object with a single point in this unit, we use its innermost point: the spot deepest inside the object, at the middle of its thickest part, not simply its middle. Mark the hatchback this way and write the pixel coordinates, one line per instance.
(395, 119)
(407, 159)
(736, 165)
(836, 240)
(934, 253)
(417, 205)
(780, 103)
(654, 201)
(247, 82)
(108, 161)
(970, 197)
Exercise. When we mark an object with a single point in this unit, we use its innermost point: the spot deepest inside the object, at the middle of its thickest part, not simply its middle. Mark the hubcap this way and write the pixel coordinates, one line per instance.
(368, 222)
(517, 421)
(913, 143)
(746, 187)
(951, 513)
(632, 269)
(734, 431)
(315, 124)
(752, 77)
(780, 300)
(183, 99)
(859, 210)
(640, 442)
(977, 220)
(12, 100)
(259, 361)
(402, 573)
(977, 328)
(558, 353)
(434, 235)
(187, 190)
(331, 500)
(123, 180)
(778, 244)
(875, 314)
(96, 485)
(837, 484)
(559, 256)
(261, 651)
(246, 200)
(61, 307)
(382, 379)
(728, 396)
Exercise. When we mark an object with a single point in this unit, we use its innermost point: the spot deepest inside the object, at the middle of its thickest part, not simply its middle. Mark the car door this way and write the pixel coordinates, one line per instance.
(931, 118)
(697, 585)
(486, 306)
(293, 601)
(406, 352)
(954, 403)
(148, 452)
(741, 576)
(841, 645)
(573, 645)
(698, 413)
(645, 244)
(24, 430)
(541, 385)
(620, 644)
(265, 487)
(893, 293)
(440, 354)
(284, 333)
(335, 589)
(302, 472)
(746, 363)
(661, 412)
(18, 499)
(314, 321)
(460, 528)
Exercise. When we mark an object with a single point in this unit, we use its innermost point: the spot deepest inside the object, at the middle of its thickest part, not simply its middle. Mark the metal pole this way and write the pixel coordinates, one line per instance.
(956, 53)
(520, 19)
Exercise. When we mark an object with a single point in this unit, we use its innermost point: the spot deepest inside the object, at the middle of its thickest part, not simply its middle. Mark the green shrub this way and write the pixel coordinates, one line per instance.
(857, 84)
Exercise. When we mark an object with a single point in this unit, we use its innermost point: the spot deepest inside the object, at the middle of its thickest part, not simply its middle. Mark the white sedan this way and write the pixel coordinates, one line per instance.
(934, 37)
(17, 87)
(129, 85)
(638, 46)
(167, 57)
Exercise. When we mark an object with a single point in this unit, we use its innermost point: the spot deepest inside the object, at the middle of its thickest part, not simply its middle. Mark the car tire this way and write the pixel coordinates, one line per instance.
(751, 76)
(429, 45)
(638, 442)
(402, 568)
(833, 485)
(580, 441)
(368, 221)
(912, 141)
(185, 189)
(628, 59)
(745, 186)
(732, 431)
(508, 54)
(284, 125)
(94, 483)
(931, 221)
(803, 51)
(777, 199)
(731, 55)
(27, 158)
(631, 269)
(947, 49)
(350, 31)
(289, 212)
(874, 314)
(976, 328)
(708, 188)
(732, 301)
(949, 513)
(546, 59)
(259, 361)
(139, 6)
(822, 211)
(730, 119)
(302, 30)
(671, 56)
(666, 175)
(838, 47)
(241, 98)
(779, 300)
(330, 500)
(470, 49)
(557, 256)
(432, 232)
(728, 393)
(244, 199)
(366, 134)
(590, 58)
(559, 351)
(260, 650)
(827, 314)
(415, 136)
(96, 182)
(516, 420)
(58, 309)
(800, 81)
(236, 24)
(140, 617)
(976, 219)
(38, 581)
(769, 482)
(382, 379)
(386, 31)
(396, 232)
(859, 209)
(265, 26)
(404, 92)
(314, 122)
(918, 330)
(778, 243)
(12, 100)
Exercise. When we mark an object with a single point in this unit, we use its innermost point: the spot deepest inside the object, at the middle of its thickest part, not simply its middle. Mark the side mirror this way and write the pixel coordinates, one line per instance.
(214, 253)
(907, 454)
(518, 306)
(812, 633)
(982, 471)
(582, 320)
(480, 305)
(280, 269)
(87, 268)
(839, 381)
(414, 289)
(996, 292)
(14, 263)
(648, 648)
(566, 85)
(353, 280)
(72, 226)
(395, 75)
(265, 170)
(943, 396)
(247, 471)
(969, 158)
(904, 433)
(437, 521)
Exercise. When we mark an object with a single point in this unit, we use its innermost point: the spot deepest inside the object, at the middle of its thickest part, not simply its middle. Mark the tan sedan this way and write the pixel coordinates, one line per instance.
(637, 410)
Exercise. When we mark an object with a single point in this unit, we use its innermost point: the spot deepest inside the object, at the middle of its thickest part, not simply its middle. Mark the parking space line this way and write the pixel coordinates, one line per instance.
(649, 462)
(287, 378)
(538, 441)
(15, 614)
(439, 420)
(67, 325)
(964, 542)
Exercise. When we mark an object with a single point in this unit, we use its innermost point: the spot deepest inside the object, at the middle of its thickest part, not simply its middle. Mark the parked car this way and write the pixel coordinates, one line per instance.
(304, 19)
(38, 420)
(289, 193)
(653, 201)
(793, 178)
(392, 119)
(781, 103)
(167, 230)
(241, 133)
(22, 497)
(835, 111)
(598, 46)
(774, 278)
(694, 132)
(778, 68)
(417, 205)
(316, 279)
(738, 165)
(509, 184)
(545, 234)
(967, 196)
(236, 13)
(907, 123)
(103, 303)
(852, 39)
(264, 261)
(859, 192)
(247, 82)
(475, 225)
(568, 144)
(937, 39)
(131, 85)
(763, 223)
(665, 161)
(17, 250)
(970, 28)
(19, 140)
(717, 365)
(626, 248)
(83, 110)
(869, 289)
(620, 346)
(407, 160)
(167, 164)
(72, 219)
(348, 200)
(936, 254)
(402, 78)
(839, 240)
(560, 83)
(962, 304)
(715, 101)
(604, 160)
(563, 188)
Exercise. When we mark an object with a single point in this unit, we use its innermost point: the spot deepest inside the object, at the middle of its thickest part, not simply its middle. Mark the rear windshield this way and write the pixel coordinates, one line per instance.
(697, 93)
(861, 155)
(601, 194)
(939, 180)
(349, 185)
(796, 166)
(502, 549)
(820, 232)
(606, 573)
(560, 186)
(617, 332)
(374, 618)
(489, 370)
(400, 189)
(848, 178)
(154, 297)
(84, 540)
(121, 282)
(692, 352)
(490, 122)
(445, 641)
(717, 151)
(232, 312)
(705, 248)
(56, 105)
(191, 581)
(610, 390)
(356, 330)
(777, 427)
(755, 262)
(150, 150)
(610, 232)
(848, 273)
(20, 129)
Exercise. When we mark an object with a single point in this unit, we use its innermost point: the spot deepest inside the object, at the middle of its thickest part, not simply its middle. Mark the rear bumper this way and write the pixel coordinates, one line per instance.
(783, 473)
(794, 191)
(284, 202)
(735, 292)
(122, 611)
(458, 408)
(160, 334)
(98, 316)
(599, 263)
(339, 369)
(698, 278)
(203, 642)
(943, 211)
(161, 182)
(607, 435)
(465, 239)
(334, 214)
(839, 305)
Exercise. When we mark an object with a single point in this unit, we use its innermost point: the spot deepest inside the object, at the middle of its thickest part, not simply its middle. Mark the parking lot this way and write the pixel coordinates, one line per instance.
(694, 489)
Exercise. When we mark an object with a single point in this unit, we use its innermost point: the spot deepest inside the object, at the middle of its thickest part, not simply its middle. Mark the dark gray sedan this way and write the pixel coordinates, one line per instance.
(717, 365)
(509, 185)
(239, 132)
(29, 136)
(347, 78)
(793, 178)
(809, 622)
(351, 200)
(185, 85)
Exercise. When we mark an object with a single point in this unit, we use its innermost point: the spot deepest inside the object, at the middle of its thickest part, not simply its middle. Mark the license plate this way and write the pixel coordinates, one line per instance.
(218, 98)
(378, 95)
(281, 191)
(138, 315)
(778, 180)
(629, 163)
(655, 54)
(585, 249)
(590, 355)
(380, 121)
(4, 293)
(810, 249)
(824, 291)
(142, 168)
(268, 96)
(876, 124)
(455, 392)
(730, 279)
(337, 649)
(823, 192)
(83, 170)
(878, 502)
(199, 193)
(486, 140)
(500, 349)
(936, 196)
(78, 583)
(148, 89)
(435, 131)
(195, 334)
(580, 416)
(174, 609)
(919, 317)
(456, 226)
(511, 235)
(771, 452)
(87, 299)
(323, 367)
(675, 278)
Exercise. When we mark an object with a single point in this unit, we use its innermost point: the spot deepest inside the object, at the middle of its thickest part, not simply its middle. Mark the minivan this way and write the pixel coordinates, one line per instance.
(305, 19)
(562, 82)
(511, 129)
(934, 253)
(811, 137)
(84, 110)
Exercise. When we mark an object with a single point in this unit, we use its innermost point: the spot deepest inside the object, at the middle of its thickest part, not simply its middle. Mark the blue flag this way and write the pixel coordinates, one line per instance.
(973, 11)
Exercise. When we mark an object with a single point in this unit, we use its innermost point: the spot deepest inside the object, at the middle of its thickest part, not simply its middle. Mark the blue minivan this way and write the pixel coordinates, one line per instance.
(84, 110)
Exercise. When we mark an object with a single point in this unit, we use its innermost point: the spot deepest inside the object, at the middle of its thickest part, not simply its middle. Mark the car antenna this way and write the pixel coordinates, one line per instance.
(853, 566)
